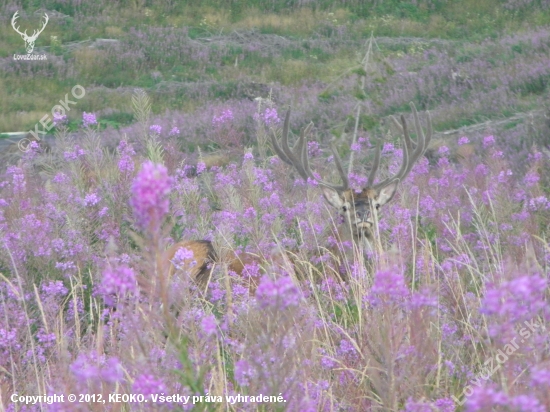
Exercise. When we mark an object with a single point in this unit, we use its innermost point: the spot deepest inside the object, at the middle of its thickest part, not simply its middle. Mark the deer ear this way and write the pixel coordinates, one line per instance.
(387, 192)
(332, 197)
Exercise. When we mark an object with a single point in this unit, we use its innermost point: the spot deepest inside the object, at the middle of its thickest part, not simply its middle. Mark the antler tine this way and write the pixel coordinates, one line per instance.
(411, 151)
(423, 140)
(406, 160)
(286, 148)
(298, 157)
(372, 174)
(276, 146)
(300, 150)
(338, 162)
(343, 175)
(292, 157)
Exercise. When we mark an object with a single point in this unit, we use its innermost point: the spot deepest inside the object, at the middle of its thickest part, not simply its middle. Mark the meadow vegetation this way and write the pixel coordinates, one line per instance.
(451, 314)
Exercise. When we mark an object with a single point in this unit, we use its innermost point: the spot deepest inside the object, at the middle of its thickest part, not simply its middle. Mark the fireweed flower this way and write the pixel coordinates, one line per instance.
(117, 281)
(112, 371)
(441, 405)
(88, 119)
(389, 287)
(174, 131)
(388, 148)
(244, 372)
(8, 341)
(443, 150)
(519, 299)
(225, 117)
(488, 141)
(271, 116)
(183, 258)
(539, 203)
(156, 129)
(531, 179)
(147, 384)
(84, 370)
(59, 119)
(313, 149)
(55, 288)
(201, 167)
(279, 294)
(125, 162)
(463, 140)
(209, 325)
(75, 154)
(485, 399)
(150, 190)
(92, 367)
(540, 376)
(515, 301)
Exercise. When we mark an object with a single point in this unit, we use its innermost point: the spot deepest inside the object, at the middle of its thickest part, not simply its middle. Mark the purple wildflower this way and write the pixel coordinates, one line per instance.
(225, 117)
(463, 140)
(156, 129)
(209, 325)
(59, 119)
(389, 286)
(126, 162)
(150, 190)
(488, 141)
(443, 150)
(280, 293)
(271, 116)
(147, 384)
(88, 119)
(118, 280)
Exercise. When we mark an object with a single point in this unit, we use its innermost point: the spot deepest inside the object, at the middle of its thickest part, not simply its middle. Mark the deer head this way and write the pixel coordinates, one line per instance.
(29, 40)
(357, 209)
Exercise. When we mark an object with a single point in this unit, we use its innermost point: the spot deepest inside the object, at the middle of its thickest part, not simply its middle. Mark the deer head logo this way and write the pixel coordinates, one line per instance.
(29, 40)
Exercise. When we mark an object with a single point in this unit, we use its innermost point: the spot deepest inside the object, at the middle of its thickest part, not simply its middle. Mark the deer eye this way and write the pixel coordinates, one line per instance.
(345, 208)
(377, 206)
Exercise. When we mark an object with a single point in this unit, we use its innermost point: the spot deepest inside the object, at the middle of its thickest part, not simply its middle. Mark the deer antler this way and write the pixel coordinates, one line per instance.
(298, 157)
(409, 159)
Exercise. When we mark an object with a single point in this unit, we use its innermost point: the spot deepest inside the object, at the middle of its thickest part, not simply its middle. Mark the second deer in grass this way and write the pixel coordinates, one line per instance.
(359, 210)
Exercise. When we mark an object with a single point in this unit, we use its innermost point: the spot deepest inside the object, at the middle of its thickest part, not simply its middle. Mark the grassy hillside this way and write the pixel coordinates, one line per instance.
(185, 55)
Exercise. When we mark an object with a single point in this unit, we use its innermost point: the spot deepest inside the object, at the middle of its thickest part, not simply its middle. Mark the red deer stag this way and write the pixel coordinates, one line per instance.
(359, 210)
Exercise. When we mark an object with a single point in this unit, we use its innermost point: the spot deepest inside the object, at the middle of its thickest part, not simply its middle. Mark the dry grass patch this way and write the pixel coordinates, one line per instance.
(90, 62)
(19, 121)
(291, 72)
(302, 21)
(113, 31)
